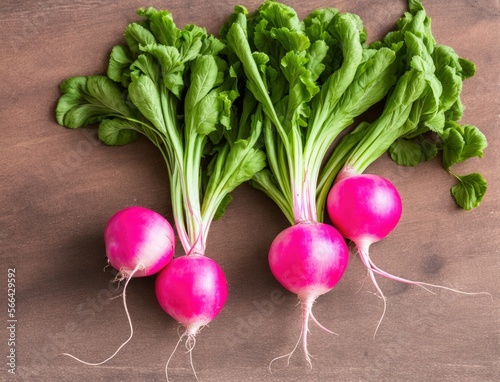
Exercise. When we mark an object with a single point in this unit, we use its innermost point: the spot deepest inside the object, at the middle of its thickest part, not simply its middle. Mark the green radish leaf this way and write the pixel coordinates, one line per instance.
(136, 35)
(280, 15)
(468, 68)
(291, 40)
(475, 142)
(315, 56)
(204, 73)
(162, 25)
(146, 97)
(318, 22)
(206, 114)
(87, 100)
(461, 143)
(147, 65)
(172, 67)
(243, 163)
(191, 43)
(119, 64)
(453, 144)
(429, 149)
(117, 131)
(470, 190)
(405, 152)
(211, 46)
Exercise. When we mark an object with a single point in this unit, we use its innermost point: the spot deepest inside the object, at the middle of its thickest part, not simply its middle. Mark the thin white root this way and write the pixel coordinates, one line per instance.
(321, 326)
(136, 269)
(288, 355)
(306, 305)
(172, 354)
(190, 344)
(306, 313)
(372, 269)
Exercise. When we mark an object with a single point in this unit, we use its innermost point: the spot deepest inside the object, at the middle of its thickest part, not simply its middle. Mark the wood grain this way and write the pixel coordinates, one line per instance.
(59, 187)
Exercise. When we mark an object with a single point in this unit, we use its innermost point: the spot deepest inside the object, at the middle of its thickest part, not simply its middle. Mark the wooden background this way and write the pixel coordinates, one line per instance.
(59, 187)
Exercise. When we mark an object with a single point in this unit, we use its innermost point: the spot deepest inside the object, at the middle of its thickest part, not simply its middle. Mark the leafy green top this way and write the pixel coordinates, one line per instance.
(174, 87)
(425, 100)
(312, 78)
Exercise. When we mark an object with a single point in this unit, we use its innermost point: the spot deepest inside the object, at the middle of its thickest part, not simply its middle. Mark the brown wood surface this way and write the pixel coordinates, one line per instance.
(59, 187)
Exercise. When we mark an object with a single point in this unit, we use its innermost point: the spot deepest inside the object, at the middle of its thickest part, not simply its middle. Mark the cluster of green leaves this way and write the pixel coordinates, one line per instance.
(176, 88)
(311, 78)
(422, 111)
(266, 101)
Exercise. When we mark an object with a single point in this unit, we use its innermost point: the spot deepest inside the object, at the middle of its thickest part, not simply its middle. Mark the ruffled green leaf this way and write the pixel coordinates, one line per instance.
(405, 152)
(172, 67)
(470, 190)
(146, 97)
(119, 64)
(136, 35)
(87, 100)
(461, 142)
(162, 25)
(117, 132)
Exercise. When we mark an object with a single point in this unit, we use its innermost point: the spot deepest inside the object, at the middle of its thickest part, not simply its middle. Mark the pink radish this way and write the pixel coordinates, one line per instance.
(365, 208)
(192, 289)
(139, 242)
(308, 259)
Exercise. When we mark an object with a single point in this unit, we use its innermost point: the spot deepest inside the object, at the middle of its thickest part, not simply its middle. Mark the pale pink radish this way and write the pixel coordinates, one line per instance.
(193, 290)
(308, 259)
(139, 242)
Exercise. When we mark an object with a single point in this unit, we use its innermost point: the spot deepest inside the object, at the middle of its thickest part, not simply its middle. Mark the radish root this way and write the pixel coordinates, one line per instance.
(306, 306)
(363, 252)
(136, 269)
(190, 344)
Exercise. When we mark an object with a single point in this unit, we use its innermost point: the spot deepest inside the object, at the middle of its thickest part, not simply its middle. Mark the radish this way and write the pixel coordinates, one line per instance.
(308, 96)
(308, 259)
(177, 89)
(192, 289)
(139, 242)
(365, 208)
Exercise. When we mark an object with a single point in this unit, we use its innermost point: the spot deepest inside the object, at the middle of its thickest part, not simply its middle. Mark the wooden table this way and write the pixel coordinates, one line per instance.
(59, 187)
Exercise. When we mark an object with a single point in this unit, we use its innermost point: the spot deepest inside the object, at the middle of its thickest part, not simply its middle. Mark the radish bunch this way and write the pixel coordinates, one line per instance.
(177, 88)
(272, 101)
(312, 77)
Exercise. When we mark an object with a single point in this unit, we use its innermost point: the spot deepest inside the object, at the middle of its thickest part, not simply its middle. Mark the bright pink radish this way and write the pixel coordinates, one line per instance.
(193, 290)
(139, 237)
(139, 242)
(308, 259)
(366, 208)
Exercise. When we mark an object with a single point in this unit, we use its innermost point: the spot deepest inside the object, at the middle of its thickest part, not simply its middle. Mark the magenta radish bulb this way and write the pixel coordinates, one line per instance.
(193, 290)
(365, 208)
(308, 259)
(139, 241)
